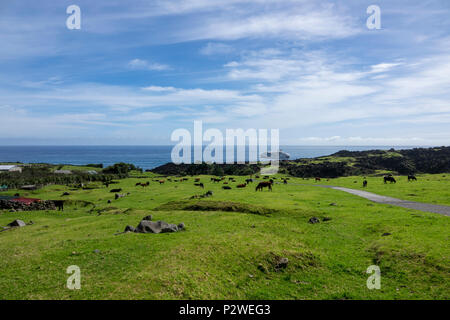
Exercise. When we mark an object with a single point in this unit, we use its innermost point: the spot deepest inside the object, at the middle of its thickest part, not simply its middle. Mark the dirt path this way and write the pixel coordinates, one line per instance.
(427, 207)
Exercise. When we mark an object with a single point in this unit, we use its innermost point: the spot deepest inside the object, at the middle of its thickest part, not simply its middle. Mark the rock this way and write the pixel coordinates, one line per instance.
(146, 226)
(281, 263)
(314, 220)
(129, 229)
(326, 219)
(148, 218)
(17, 223)
(386, 234)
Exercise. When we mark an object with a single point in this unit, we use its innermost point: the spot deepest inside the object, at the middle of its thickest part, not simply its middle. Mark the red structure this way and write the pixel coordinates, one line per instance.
(27, 201)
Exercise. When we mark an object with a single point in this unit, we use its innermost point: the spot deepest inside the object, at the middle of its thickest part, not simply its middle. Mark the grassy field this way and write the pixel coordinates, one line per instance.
(429, 188)
(231, 244)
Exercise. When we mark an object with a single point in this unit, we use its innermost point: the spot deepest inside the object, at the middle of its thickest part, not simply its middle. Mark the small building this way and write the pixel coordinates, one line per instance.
(10, 168)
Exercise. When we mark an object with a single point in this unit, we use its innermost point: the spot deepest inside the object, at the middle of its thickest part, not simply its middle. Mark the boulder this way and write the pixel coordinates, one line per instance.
(314, 220)
(146, 226)
(17, 223)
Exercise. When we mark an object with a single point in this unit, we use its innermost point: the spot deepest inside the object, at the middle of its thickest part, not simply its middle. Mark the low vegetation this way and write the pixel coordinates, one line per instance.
(237, 243)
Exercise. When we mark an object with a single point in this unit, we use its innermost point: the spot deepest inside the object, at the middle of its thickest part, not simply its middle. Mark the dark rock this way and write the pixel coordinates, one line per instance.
(17, 223)
(155, 227)
(314, 220)
(281, 263)
(148, 218)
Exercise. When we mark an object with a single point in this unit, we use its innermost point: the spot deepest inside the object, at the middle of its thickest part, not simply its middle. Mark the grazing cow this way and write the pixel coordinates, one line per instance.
(391, 179)
(263, 185)
(243, 185)
(138, 184)
(248, 181)
(199, 185)
(225, 182)
(197, 180)
(230, 179)
(364, 183)
(59, 204)
(115, 190)
(266, 177)
(226, 188)
(185, 179)
(284, 181)
(161, 181)
(411, 178)
(317, 179)
(257, 177)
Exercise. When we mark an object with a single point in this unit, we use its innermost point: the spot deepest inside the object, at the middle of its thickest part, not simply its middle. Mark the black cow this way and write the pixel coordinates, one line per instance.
(412, 178)
(390, 179)
(59, 204)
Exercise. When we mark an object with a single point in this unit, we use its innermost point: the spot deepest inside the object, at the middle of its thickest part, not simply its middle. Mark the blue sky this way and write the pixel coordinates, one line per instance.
(137, 70)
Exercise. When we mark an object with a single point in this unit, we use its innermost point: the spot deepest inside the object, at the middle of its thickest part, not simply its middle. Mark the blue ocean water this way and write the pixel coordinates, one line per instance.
(145, 157)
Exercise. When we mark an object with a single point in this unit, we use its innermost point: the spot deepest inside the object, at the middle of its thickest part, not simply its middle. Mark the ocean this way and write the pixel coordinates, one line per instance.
(145, 157)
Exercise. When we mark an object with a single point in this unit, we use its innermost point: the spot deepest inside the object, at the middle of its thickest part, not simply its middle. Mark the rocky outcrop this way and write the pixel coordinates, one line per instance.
(148, 226)
(19, 206)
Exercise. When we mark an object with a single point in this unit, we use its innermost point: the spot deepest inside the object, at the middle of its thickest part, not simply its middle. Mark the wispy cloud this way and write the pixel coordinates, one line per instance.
(138, 64)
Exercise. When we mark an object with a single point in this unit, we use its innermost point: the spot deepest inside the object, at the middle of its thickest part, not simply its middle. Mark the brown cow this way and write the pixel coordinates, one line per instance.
(263, 185)
(161, 181)
(242, 185)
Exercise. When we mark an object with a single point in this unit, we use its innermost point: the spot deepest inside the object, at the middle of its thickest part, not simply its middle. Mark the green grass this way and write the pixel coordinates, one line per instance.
(429, 188)
(231, 243)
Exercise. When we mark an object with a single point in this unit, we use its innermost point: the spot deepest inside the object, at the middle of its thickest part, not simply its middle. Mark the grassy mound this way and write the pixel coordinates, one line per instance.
(227, 206)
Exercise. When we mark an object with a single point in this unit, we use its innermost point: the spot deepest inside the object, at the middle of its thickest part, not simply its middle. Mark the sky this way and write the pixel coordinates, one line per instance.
(136, 71)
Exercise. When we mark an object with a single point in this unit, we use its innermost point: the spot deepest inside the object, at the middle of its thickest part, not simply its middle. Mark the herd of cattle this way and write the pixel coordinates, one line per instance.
(259, 187)
(197, 182)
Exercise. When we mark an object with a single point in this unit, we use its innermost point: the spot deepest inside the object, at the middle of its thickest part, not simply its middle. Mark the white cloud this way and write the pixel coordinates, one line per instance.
(138, 64)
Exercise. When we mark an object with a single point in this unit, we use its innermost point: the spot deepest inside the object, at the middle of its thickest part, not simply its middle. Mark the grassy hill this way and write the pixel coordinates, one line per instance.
(232, 243)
